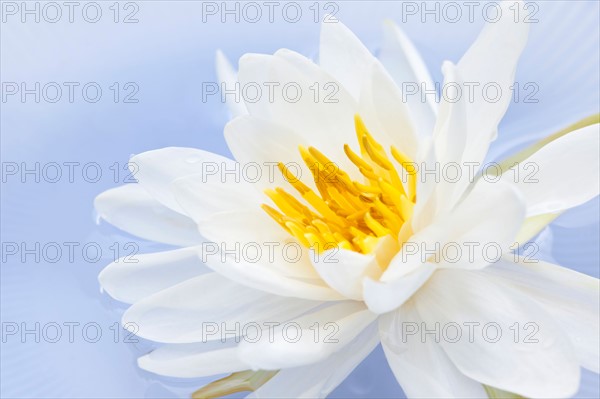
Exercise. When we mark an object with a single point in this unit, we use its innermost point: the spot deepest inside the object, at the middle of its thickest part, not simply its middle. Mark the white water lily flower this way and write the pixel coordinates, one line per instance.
(382, 280)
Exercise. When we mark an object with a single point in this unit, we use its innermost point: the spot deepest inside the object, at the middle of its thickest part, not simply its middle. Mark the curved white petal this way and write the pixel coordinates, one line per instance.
(228, 77)
(324, 112)
(201, 197)
(571, 298)
(283, 265)
(382, 297)
(132, 278)
(424, 211)
(476, 233)
(253, 237)
(266, 143)
(265, 278)
(404, 63)
(318, 380)
(450, 133)
(488, 220)
(156, 170)
(307, 339)
(205, 308)
(192, 360)
(420, 365)
(491, 60)
(450, 138)
(385, 113)
(344, 56)
(132, 209)
(540, 366)
(344, 270)
(562, 174)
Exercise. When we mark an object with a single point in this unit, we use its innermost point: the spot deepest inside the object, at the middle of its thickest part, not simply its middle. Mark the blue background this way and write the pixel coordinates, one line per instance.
(168, 54)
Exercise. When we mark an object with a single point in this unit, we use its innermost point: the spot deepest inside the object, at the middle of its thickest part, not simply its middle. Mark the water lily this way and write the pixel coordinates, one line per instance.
(374, 230)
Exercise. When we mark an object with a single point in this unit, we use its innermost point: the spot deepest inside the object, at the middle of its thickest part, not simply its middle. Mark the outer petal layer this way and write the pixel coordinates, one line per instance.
(420, 365)
(571, 298)
(562, 174)
(157, 169)
(192, 360)
(540, 366)
(318, 380)
(132, 209)
(133, 278)
(201, 308)
(311, 339)
(402, 60)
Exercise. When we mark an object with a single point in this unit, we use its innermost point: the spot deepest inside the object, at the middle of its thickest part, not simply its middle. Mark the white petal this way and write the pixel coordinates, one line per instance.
(282, 267)
(228, 77)
(343, 55)
(562, 174)
(493, 356)
(253, 237)
(491, 60)
(156, 170)
(424, 211)
(490, 216)
(420, 365)
(571, 298)
(201, 309)
(450, 139)
(450, 129)
(384, 112)
(201, 197)
(403, 62)
(345, 270)
(132, 209)
(254, 140)
(265, 278)
(383, 297)
(476, 233)
(192, 360)
(326, 122)
(132, 278)
(318, 380)
(307, 339)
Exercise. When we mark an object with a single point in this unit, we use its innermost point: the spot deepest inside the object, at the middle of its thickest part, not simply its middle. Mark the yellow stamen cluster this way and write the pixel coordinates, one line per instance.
(347, 214)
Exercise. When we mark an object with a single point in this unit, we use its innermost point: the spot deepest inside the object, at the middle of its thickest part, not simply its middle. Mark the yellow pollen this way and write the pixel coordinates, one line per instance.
(346, 213)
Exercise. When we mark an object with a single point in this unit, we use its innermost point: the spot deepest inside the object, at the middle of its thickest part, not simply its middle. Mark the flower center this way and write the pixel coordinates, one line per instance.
(345, 213)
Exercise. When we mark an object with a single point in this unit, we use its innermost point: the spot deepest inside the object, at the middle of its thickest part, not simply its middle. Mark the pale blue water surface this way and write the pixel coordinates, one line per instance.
(167, 55)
